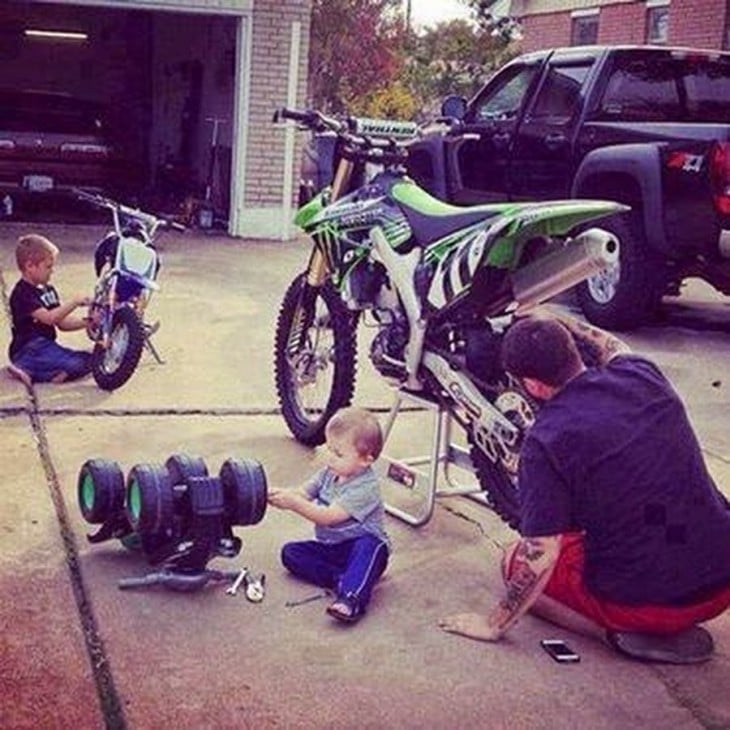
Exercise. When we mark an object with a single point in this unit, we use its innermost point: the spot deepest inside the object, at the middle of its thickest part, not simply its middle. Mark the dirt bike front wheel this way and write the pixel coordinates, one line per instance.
(314, 358)
(112, 366)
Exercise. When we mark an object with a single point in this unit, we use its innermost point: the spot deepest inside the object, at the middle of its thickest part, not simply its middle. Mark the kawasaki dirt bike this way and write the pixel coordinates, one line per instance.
(440, 283)
(126, 264)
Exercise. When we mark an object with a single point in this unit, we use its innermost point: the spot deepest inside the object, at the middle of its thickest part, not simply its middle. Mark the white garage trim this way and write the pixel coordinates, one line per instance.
(244, 38)
(209, 7)
(291, 102)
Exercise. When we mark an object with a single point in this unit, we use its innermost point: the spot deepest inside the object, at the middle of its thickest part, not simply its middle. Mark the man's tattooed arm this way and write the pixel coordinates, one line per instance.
(601, 344)
(594, 343)
(532, 565)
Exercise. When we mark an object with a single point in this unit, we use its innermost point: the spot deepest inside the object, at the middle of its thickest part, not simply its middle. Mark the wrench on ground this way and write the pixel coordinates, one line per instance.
(233, 589)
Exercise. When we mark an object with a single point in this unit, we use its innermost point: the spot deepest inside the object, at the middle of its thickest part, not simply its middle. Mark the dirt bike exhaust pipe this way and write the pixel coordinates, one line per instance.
(587, 255)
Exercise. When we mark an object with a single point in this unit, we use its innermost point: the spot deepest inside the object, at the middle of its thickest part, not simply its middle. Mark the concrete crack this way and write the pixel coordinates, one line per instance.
(111, 707)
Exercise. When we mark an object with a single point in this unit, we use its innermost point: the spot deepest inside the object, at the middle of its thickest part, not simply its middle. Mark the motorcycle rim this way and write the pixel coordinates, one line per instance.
(497, 469)
(113, 366)
(315, 358)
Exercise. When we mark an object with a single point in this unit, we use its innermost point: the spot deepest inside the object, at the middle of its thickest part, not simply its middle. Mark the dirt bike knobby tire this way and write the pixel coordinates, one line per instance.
(112, 379)
(497, 485)
(300, 301)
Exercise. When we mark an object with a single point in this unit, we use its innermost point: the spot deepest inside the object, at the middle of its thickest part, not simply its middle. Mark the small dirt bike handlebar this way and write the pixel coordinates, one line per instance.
(151, 222)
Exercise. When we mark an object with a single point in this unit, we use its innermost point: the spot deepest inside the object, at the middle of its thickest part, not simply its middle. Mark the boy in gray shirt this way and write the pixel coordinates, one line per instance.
(343, 500)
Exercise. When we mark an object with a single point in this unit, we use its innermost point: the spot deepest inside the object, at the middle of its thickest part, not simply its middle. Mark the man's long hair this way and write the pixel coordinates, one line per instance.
(542, 349)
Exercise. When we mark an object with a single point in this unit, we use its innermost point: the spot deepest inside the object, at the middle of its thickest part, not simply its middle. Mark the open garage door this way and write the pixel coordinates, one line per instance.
(164, 84)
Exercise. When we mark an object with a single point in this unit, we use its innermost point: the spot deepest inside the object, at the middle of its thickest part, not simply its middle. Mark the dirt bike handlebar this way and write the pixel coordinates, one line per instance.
(150, 221)
(381, 141)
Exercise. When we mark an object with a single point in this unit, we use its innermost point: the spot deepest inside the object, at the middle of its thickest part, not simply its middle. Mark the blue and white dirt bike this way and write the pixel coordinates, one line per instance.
(439, 283)
(127, 264)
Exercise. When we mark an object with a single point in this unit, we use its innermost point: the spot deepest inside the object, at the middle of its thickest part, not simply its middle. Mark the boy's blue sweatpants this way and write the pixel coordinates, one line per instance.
(351, 567)
(43, 359)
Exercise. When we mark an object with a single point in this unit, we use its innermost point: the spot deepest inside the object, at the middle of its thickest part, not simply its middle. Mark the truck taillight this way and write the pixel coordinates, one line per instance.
(720, 176)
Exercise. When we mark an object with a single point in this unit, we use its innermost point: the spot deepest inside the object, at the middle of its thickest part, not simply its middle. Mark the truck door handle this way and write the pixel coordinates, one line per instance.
(553, 141)
(501, 140)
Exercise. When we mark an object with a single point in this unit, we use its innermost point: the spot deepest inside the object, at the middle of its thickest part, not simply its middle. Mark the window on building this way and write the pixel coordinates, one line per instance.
(657, 24)
(584, 30)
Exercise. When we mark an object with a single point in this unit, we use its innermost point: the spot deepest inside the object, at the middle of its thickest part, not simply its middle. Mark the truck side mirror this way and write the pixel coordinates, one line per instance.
(454, 107)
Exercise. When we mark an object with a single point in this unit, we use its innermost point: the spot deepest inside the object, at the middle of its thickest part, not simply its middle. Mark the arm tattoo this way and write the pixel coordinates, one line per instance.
(603, 344)
(521, 584)
(519, 589)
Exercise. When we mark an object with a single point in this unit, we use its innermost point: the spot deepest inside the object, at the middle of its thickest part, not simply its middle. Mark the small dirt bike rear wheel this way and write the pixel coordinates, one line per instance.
(315, 357)
(113, 366)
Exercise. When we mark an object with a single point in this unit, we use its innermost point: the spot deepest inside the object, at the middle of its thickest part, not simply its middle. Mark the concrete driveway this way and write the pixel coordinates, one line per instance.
(76, 652)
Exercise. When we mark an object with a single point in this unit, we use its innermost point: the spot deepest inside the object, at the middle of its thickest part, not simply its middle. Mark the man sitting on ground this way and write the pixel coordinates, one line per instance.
(624, 534)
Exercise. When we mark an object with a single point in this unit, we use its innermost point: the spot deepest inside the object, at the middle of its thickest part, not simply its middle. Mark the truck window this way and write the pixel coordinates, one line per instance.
(668, 88)
(559, 96)
(707, 86)
(504, 101)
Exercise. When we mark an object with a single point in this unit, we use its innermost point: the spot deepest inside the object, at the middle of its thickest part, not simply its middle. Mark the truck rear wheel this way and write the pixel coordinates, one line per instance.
(628, 294)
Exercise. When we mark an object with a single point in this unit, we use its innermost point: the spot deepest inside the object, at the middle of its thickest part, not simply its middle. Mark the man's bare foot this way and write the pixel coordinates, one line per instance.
(473, 625)
(61, 377)
(19, 374)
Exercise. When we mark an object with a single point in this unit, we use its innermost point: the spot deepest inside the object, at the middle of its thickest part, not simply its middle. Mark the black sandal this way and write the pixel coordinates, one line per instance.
(691, 646)
(346, 609)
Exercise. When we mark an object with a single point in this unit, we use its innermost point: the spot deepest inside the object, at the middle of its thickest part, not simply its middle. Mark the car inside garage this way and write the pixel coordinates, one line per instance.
(162, 85)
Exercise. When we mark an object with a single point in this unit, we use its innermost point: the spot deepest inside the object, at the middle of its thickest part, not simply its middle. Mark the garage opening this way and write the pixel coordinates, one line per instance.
(154, 95)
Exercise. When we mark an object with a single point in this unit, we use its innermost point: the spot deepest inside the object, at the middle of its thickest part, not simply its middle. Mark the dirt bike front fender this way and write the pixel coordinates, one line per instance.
(311, 209)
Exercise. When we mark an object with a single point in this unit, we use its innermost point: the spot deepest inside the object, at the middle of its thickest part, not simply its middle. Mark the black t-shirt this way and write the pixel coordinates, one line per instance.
(25, 299)
(613, 454)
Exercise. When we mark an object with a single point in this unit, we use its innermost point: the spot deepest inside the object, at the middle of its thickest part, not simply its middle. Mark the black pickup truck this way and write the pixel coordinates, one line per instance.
(646, 126)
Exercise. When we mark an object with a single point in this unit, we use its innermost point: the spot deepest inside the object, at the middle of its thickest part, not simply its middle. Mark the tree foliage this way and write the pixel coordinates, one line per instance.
(452, 57)
(354, 50)
(364, 60)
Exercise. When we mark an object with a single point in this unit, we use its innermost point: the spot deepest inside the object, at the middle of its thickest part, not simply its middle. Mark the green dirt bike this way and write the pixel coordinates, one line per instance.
(440, 283)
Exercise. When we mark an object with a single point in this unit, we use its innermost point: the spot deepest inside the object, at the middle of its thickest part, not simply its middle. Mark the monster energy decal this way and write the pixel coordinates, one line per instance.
(455, 272)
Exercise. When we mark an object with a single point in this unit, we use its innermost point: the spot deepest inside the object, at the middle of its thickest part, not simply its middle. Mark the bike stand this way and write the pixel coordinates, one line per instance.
(178, 581)
(149, 330)
(440, 462)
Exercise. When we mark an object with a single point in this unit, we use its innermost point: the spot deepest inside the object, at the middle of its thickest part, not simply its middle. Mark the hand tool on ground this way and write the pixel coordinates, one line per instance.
(233, 589)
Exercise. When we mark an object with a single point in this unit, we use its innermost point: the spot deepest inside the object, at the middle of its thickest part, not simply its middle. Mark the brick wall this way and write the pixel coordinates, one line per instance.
(622, 24)
(700, 23)
(272, 33)
(546, 31)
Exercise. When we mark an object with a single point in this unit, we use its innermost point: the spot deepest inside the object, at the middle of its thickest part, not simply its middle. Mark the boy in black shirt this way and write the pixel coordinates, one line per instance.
(37, 312)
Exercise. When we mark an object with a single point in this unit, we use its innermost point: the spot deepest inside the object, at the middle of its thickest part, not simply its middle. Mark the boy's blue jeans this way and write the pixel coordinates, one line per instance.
(352, 567)
(43, 359)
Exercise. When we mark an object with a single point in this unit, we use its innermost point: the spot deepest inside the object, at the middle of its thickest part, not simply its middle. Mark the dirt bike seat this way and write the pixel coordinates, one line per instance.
(431, 218)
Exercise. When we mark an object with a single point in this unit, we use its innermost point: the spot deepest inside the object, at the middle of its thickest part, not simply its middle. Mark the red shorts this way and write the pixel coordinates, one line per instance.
(567, 587)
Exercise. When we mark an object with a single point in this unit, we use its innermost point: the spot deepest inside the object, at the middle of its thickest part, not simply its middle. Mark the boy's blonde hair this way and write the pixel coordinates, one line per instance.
(361, 427)
(33, 248)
